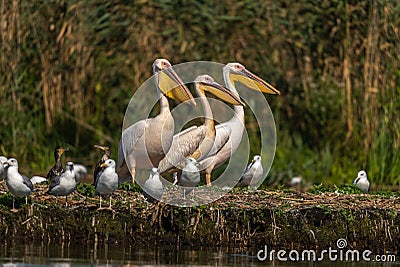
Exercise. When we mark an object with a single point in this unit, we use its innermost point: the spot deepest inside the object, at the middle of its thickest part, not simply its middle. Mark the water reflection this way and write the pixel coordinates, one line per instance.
(65, 255)
(119, 255)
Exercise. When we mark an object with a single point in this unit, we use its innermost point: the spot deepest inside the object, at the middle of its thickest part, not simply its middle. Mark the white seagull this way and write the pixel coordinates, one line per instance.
(64, 184)
(152, 188)
(18, 184)
(107, 180)
(190, 176)
(362, 181)
(253, 174)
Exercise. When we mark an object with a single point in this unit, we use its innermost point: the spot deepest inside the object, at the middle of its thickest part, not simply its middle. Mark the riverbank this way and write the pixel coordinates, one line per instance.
(278, 219)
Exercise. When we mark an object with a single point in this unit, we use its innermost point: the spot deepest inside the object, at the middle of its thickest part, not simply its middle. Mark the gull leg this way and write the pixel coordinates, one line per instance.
(110, 204)
(66, 201)
(208, 179)
(100, 201)
(26, 200)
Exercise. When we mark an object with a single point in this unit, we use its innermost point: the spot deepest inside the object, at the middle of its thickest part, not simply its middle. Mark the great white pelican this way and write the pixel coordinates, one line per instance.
(144, 143)
(229, 134)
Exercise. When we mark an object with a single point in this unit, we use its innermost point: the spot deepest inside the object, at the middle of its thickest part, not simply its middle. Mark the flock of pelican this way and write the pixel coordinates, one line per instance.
(152, 144)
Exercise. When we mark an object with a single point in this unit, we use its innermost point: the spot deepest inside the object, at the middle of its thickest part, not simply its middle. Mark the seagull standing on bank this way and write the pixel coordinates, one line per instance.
(362, 181)
(64, 184)
(107, 180)
(18, 184)
(253, 174)
(190, 176)
(152, 188)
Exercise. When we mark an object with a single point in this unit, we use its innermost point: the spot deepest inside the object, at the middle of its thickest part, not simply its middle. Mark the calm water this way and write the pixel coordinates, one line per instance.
(119, 255)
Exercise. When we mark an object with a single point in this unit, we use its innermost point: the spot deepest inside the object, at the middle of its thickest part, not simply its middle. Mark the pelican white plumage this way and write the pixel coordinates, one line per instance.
(18, 184)
(196, 141)
(153, 188)
(107, 180)
(253, 174)
(190, 176)
(362, 181)
(224, 147)
(3, 172)
(145, 143)
(64, 184)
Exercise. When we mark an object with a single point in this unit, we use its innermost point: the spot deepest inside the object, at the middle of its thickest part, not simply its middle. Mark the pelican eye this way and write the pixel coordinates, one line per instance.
(165, 64)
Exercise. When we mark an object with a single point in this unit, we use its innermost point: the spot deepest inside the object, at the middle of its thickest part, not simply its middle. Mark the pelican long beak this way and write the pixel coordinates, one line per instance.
(254, 82)
(172, 86)
(222, 93)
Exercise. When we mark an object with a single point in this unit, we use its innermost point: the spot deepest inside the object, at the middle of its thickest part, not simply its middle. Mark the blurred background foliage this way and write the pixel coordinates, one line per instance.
(69, 68)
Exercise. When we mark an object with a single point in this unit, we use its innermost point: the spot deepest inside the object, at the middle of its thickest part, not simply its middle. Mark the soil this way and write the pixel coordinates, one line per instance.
(280, 219)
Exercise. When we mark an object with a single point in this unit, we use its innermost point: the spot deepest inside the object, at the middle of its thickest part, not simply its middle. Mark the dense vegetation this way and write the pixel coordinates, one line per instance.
(69, 68)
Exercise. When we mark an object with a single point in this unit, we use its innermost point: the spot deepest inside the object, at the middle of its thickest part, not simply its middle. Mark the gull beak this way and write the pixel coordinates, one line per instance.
(222, 93)
(103, 165)
(254, 82)
(172, 86)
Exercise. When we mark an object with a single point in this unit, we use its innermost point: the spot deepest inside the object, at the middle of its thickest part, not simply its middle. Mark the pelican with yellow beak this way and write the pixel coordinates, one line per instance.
(144, 143)
(196, 141)
(229, 134)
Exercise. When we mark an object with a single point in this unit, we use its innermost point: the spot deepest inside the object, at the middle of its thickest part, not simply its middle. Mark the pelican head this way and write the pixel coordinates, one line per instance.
(237, 72)
(169, 83)
(207, 83)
